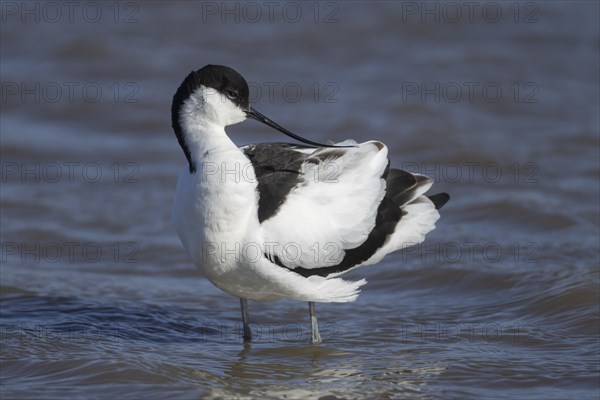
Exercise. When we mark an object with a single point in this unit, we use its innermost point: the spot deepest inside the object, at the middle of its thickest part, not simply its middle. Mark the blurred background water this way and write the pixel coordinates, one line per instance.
(497, 101)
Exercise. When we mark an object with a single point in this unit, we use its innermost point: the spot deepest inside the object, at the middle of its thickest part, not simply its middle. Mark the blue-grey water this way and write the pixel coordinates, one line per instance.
(497, 101)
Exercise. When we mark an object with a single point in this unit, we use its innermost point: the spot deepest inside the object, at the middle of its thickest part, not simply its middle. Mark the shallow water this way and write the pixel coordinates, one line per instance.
(98, 298)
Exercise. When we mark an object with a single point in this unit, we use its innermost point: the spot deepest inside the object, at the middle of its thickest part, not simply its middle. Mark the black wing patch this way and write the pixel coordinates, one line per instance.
(439, 199)
(278, 169)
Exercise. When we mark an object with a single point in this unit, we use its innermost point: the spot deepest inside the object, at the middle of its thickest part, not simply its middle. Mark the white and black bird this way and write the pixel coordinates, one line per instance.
(279, 220)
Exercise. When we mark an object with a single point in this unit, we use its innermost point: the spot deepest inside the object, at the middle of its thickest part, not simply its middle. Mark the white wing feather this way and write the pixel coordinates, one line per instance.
(333, 209)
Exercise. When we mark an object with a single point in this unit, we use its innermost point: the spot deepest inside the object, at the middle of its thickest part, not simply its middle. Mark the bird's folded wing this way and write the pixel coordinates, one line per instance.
(315, 204)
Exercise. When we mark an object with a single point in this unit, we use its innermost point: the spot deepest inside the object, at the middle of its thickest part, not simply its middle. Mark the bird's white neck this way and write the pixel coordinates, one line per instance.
(217, 203)
(205, 140)
(202, 120)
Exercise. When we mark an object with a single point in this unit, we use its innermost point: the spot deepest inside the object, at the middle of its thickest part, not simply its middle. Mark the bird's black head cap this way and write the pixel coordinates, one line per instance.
(221, 78)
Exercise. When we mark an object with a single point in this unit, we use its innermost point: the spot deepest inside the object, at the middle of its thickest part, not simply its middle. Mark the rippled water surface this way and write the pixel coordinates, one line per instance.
(499, 106)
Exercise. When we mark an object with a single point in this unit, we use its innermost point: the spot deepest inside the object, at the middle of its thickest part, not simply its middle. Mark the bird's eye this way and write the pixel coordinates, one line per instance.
(232, 94)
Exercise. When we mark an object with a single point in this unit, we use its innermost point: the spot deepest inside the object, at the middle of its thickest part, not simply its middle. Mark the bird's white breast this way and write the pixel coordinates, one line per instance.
(215, 213)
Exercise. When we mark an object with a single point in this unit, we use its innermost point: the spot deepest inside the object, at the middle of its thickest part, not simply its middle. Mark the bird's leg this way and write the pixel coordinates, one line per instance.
(246, 320)
(314, 325)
